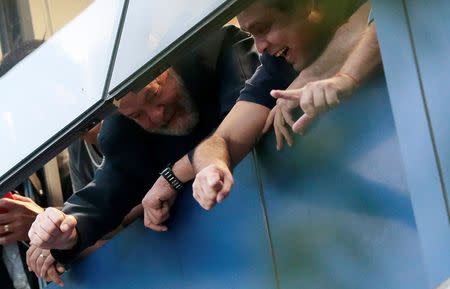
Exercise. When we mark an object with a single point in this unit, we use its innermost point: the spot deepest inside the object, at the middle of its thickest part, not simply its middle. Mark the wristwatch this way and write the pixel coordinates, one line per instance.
(170, 177)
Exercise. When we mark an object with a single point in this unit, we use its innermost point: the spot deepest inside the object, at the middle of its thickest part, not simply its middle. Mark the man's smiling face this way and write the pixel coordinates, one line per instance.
(280, 34)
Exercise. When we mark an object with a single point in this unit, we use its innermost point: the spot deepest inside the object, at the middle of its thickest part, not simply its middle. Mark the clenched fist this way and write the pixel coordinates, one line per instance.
(157, 203)
(212, 185)
(53, 230)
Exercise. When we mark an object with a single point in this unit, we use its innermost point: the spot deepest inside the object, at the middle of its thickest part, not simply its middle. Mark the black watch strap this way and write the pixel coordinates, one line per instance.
(170, 177)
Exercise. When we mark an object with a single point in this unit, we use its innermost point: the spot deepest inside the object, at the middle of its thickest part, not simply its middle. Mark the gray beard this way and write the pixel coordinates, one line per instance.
(180, 128)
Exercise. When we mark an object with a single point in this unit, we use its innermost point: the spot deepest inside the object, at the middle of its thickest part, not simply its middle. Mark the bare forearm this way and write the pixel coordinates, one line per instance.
(234, 138)
(366, 57)
(183, 169)
(338, 50)
(213, 150)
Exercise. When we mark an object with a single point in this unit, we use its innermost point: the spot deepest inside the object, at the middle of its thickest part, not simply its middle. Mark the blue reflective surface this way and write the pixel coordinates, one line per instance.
(224, 248)
(338, 207)
(432, 43)
(415, 63)
(338, 203)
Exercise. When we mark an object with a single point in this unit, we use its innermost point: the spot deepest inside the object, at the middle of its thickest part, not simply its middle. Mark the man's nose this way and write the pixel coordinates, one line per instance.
(261, 44)
(157, 115)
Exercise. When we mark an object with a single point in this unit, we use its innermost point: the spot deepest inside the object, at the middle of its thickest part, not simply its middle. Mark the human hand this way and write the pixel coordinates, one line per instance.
(17, 221)
(279, 116)
(42, 263)
(54, 230)
(316, 98)
(212, 185)
(157, 203)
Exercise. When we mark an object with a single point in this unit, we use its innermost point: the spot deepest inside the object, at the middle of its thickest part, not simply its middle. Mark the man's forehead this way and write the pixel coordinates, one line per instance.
(132, 101)
(254, 14)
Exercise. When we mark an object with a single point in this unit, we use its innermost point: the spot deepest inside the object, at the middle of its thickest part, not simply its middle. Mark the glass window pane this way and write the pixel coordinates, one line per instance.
(56, 83)
(151, 26)
(25, 24)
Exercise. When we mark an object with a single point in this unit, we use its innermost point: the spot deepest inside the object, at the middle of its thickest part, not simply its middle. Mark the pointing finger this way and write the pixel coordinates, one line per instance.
(293, 94)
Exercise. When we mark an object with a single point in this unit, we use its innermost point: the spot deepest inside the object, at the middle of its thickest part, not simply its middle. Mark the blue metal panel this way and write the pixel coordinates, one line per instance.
(338, 204)
(224, 248)
(412, 47)
(432, 44)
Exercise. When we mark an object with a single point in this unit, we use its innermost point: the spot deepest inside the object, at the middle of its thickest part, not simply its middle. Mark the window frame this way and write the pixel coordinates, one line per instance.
(136, 81)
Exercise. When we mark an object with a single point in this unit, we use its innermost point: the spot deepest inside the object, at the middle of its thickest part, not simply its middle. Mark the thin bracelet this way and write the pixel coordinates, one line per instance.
(348, 76)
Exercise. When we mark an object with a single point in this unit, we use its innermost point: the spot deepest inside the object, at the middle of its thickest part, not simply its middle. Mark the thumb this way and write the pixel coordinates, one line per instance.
(294, 94)
(302, 124)
(68, 224)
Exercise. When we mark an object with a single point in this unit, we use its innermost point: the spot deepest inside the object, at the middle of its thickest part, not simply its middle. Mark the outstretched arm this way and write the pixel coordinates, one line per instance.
(326, 65)
(318, 97)
(216, 156)
(366, 58)
(343, 43)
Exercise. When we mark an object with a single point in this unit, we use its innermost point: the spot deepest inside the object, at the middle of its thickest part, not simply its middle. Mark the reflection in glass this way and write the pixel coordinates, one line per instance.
(56, 83)
(26, 24)
(151, 26)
